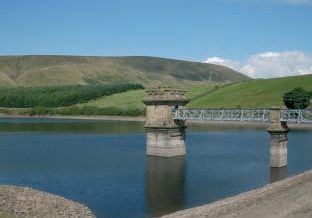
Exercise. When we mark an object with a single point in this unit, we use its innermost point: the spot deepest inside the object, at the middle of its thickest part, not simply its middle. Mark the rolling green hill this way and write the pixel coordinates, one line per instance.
(258, 93)
(134, 99)
(250, 94)
(74, 70)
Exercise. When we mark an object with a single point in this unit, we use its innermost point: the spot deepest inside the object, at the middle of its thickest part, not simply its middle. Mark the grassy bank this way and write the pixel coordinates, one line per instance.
(134, 99)
(252, 94)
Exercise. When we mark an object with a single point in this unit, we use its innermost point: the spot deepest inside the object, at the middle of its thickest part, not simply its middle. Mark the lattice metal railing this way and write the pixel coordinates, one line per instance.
(297, 116)
(222, 114)
(260, 115)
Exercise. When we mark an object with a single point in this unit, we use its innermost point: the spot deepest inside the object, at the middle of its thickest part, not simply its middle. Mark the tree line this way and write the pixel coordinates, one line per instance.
(58, 96)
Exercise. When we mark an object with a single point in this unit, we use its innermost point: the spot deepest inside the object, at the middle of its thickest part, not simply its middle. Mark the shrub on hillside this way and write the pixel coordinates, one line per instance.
(297, 98)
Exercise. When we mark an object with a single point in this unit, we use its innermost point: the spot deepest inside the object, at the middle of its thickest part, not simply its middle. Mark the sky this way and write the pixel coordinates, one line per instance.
(260, 38)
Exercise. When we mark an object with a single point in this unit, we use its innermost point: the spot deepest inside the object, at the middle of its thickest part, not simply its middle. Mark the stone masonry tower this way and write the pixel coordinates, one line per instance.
(164, 136)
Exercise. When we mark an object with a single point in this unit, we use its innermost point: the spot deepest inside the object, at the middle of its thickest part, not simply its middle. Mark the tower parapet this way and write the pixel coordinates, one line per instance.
(159, 105)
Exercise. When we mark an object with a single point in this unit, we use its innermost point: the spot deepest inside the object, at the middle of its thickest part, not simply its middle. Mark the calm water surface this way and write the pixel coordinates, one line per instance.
(103, 164)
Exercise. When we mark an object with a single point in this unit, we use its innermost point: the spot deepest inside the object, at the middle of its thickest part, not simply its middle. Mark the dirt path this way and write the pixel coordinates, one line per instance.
(289, 198)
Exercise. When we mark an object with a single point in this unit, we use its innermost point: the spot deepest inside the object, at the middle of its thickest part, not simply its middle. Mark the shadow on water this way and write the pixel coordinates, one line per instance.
(278, 173)
(69, 126)
(165, 185)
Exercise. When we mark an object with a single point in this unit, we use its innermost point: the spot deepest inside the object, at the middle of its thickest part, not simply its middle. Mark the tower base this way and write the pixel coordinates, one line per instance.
(165, 142)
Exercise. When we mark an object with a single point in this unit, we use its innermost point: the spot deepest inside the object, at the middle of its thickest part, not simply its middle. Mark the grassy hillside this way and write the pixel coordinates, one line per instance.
(58, 96)
(252, 94)
(78, 70)
(134, 99)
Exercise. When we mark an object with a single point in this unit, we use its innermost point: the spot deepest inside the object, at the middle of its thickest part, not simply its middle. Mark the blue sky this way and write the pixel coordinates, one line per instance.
(235, 31)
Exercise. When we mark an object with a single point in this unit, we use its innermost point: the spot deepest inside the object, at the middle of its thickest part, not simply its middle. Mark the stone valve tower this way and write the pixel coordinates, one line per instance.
(164, 135)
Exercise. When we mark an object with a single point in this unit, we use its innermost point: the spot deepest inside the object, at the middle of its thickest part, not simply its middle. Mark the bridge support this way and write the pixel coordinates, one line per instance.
(278, 139)
(164, 136)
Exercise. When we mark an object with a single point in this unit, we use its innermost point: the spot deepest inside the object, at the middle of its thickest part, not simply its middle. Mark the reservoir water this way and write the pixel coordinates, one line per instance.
(103, 165)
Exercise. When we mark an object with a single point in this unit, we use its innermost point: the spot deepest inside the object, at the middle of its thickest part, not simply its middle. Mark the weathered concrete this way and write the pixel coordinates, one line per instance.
(165, 142)
(289, 198)
(165, 136)
(278, 139)
(26, 202)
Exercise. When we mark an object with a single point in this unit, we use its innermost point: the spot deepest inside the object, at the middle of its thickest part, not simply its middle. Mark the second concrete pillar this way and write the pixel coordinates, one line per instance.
(278, 139)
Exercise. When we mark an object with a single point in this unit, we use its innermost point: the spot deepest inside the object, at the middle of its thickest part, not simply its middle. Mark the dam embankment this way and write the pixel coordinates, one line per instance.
(289, 198)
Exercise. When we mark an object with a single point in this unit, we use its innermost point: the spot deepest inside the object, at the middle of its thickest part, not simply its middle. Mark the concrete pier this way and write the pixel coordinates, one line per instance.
(278, 139)
(165, 137)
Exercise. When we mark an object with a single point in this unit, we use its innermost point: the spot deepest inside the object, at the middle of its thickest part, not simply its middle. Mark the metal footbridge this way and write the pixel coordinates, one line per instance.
(259, 115)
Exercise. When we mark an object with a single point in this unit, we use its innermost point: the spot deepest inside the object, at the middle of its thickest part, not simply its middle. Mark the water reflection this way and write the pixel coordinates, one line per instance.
(69, 126)
(278, 173)
(165, 185)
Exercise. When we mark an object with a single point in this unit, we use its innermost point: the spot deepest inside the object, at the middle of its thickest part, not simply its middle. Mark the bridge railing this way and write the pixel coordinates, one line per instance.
(260, 115)
(297, 116)
(222, 114)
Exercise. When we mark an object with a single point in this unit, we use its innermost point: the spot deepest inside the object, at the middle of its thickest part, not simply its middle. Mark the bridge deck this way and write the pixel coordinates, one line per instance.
(260, 115)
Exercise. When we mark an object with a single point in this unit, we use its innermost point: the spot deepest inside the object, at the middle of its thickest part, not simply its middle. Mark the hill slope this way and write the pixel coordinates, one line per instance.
(258, 93)
(134, 99)
(73, 70)
(252, 94)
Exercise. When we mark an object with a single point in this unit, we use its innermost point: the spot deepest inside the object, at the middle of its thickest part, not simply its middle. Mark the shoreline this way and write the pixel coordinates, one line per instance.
(292, 126)
(76, 117)
(288, 198)
(27, 202)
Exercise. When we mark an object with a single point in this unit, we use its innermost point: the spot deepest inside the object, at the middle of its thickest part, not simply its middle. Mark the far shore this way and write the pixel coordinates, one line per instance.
(292, 126)
(79, 117)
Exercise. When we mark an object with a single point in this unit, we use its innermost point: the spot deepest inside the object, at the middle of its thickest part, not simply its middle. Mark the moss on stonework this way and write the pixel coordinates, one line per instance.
(5, 215)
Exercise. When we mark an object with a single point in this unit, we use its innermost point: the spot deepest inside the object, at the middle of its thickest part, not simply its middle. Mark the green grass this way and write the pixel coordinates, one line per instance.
(252, 94)
(134, 99)
(128, 103)
(82, 70)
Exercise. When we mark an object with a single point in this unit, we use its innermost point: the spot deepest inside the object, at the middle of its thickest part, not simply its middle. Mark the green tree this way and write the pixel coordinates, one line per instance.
(297, 98)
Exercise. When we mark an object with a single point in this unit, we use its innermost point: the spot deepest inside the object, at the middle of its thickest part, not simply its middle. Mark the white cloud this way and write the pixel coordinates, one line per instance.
(270, 64)
(225, 62)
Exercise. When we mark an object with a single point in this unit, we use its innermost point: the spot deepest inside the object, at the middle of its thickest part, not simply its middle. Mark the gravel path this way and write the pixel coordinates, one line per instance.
(26, 202)
(289, 198)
